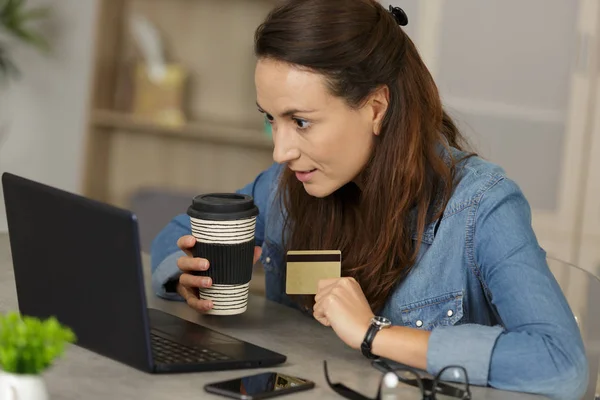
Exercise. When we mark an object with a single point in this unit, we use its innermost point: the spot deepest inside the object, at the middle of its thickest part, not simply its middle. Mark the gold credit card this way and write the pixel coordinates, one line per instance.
(305, 268)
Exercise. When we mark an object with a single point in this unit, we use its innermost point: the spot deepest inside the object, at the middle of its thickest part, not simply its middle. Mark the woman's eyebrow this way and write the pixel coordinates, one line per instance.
(289, 112)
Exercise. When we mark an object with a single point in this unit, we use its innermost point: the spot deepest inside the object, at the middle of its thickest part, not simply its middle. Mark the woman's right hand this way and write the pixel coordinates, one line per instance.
(189, 284)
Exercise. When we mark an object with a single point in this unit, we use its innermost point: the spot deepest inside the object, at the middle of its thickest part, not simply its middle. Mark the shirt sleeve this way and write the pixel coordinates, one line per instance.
(538, 348)
(164, 251)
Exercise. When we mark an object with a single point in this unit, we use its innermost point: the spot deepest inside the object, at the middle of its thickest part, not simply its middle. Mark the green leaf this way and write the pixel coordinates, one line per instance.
(15, 17)
(14, 20)
(29, 345)
(36, 13)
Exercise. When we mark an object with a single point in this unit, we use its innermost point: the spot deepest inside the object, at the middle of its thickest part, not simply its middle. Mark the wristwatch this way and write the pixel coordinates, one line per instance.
(377, 324)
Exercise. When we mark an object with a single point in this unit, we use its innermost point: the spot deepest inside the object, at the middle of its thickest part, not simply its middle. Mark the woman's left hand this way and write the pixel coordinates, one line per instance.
(341, 304)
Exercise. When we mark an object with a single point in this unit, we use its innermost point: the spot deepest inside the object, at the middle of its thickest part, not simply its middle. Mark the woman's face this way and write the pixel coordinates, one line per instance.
(319, 136)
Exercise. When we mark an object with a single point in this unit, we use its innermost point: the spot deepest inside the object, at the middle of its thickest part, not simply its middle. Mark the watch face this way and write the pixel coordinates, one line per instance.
(381, 321)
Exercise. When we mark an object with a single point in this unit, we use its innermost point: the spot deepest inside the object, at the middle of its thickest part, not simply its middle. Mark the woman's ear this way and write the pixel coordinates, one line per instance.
(378, 103)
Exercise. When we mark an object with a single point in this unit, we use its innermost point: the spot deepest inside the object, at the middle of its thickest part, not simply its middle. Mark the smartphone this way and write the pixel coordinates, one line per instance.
(259, 386)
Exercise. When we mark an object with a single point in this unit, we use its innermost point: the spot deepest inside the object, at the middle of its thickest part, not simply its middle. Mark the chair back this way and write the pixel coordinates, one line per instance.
(582, 291)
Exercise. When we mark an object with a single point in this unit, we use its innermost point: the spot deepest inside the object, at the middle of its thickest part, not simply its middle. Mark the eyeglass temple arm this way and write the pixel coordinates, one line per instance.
(326, 373)
(451, 390)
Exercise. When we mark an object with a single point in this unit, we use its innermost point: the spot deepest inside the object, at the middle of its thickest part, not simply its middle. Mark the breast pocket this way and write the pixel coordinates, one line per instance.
(441, 310)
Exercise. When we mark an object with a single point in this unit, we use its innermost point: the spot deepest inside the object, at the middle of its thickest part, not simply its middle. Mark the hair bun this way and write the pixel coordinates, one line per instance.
(399, 15)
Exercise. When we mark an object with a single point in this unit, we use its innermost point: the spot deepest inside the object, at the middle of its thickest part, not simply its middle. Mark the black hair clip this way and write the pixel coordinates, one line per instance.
(399, 15)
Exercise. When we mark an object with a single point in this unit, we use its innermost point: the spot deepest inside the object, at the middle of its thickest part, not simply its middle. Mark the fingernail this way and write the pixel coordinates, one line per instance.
(209, 305)
(203, 264)
(206, 282)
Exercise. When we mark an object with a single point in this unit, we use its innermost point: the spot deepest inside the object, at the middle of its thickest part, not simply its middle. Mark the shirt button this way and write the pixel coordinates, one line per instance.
(450, 313)
(419, 323)
(268, 260)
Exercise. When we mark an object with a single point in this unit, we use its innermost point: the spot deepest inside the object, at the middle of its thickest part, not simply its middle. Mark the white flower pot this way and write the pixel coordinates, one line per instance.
(22, 387)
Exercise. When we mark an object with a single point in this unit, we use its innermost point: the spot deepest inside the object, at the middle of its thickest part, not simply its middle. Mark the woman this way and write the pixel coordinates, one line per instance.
(433, 238)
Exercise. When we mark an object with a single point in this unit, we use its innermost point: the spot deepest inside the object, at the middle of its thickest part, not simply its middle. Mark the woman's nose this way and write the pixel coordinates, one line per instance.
(284, 149)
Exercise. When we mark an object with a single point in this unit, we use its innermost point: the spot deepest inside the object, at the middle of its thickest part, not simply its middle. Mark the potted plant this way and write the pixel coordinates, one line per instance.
(15, 20)
(15, 28)
(29, 346)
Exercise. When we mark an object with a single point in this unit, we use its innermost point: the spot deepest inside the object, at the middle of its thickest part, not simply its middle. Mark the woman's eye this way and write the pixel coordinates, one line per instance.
(302, 124)
(269, 118)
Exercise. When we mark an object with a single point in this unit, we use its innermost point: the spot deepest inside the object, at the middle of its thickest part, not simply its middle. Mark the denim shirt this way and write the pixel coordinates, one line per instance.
(481, 284)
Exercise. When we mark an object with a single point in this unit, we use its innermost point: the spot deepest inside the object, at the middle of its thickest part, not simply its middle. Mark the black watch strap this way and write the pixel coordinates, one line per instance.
(367, 343)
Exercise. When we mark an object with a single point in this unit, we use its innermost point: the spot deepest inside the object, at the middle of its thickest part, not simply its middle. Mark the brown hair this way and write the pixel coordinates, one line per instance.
(358, 46)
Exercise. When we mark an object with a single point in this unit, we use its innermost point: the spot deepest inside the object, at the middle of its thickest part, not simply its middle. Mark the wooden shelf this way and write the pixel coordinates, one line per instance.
(201, 131)
(216, 149)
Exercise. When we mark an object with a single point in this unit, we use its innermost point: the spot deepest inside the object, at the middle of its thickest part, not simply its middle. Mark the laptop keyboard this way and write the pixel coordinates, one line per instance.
(166, 351)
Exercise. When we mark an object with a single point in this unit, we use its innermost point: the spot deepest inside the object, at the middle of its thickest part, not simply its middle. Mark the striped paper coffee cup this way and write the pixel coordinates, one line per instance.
(224, 225)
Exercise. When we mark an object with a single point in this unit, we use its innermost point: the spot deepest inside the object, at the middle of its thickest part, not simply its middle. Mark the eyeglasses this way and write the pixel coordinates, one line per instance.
(458, 387)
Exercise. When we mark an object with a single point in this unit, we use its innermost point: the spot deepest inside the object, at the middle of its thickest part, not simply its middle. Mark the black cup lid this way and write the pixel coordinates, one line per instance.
(222, 206)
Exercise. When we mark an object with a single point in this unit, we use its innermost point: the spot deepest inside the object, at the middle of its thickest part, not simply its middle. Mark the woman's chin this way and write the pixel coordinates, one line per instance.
(316, 190)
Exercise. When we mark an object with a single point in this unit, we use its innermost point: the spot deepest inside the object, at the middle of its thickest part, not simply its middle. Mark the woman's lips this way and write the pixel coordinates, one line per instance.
(305, 176)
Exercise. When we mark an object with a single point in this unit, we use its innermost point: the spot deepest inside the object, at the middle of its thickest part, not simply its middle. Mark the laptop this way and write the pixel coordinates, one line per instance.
(79, 260)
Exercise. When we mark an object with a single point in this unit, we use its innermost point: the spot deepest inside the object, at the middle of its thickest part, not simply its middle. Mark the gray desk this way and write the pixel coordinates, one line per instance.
(81, 374)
